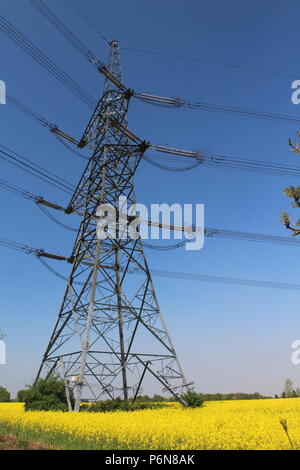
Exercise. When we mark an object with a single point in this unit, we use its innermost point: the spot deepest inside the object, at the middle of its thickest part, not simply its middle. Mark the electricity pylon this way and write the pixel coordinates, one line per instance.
(110, 334)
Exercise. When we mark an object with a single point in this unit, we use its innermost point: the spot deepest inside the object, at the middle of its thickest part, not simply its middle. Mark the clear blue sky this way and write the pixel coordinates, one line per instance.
(229, 338)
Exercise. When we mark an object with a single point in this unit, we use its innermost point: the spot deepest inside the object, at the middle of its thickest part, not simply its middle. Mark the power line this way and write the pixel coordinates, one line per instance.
(225, 161)
(183, 57)
(89, 21)
(55, 220)
(26, 110)
(250, 236)
(76, 42)
(168, 168)
(212, 62)
(200, 278)
(152, 99)
(71, 149)
(62, 180)
(4, 242)
(33, 169)
(208, 232)
(224, 280)
(56, 273)
(60, 25)
(235, 235)
(208, 278)
(45, 62)
(13, 245)
(164, 247)
(157, 100)
(221, 160)
(44, 122)
(15, 189)
(239, 111)
(202, 106)
(254, 166)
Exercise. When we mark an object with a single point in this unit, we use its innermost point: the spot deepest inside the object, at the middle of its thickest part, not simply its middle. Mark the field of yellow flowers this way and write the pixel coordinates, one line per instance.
(248, 424)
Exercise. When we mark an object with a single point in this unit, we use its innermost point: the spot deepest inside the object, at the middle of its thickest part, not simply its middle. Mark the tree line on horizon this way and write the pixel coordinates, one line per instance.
(288, 392)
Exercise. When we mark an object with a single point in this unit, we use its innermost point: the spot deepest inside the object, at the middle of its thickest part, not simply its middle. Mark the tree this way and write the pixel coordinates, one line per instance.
(48, 394)
(21, 395)
(288, 388)
(297, 392)
(292, 192)
(192, 398)
(4, 395)
(158, 398)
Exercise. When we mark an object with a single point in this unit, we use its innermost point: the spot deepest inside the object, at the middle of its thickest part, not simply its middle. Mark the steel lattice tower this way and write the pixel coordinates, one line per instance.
(110, 334)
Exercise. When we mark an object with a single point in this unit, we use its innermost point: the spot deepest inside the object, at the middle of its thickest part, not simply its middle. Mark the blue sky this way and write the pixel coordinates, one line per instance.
(229, 338)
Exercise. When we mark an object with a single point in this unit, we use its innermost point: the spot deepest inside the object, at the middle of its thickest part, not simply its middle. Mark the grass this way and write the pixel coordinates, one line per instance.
(11, 442)
(15, 438)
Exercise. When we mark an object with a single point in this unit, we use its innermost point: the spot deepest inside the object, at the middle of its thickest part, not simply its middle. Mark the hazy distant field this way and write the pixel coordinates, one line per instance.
(248, 424)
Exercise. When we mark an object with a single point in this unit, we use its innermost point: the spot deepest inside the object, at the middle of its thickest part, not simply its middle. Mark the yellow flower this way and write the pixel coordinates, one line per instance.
(248, 424)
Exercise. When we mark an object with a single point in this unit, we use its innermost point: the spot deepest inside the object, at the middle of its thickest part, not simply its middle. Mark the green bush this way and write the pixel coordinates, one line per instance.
(192, 399)
(47, 394)
(119, 405)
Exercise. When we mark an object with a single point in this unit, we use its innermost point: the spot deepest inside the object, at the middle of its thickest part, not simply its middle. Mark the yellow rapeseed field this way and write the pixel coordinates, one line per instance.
(247, 424)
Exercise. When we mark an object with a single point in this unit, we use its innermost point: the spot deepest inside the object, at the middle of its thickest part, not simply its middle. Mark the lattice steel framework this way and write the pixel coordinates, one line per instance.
(110, 334)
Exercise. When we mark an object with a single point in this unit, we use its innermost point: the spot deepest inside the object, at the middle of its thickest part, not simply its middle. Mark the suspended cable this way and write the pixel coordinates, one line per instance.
(157, 272)
(25, 109)
(54, 219)
(221, 160)
(182, 57)
(33, 174)
(56, 273)
(45, 62)
(15, 189)
(13, 245)
(239, 111)
(224, 280)
(63, 142)
(77, 43)
(181, 103)
(50, 16)
(212, 62)
(249, 236)
(208, 232)
(44, 122)
(157, 100)
(89, 21)
(53, 271)
(27, 195)
(32, 251)
(224, 161)
(200, 278)
(254, 166)
(32, 168)
(165, 167)
(231, 234)
(62, 180)
(163, 247)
